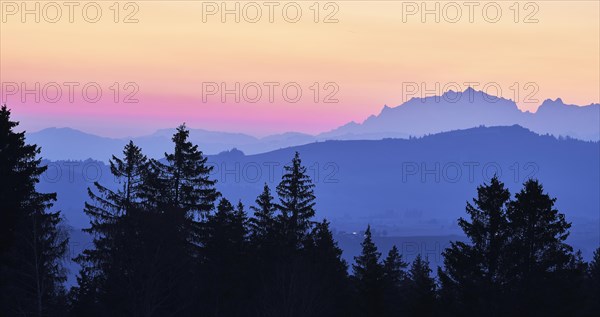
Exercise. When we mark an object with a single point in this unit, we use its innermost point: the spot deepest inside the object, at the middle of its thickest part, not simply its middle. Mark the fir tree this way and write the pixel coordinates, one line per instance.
(225, 266)
(421, 289)
(288, 287)
(32, 241)
(186, 177)
(297, 201)
(539, 258)
(368, 278)
(186, 195)
(394, 276)
(394, 268)
(263, 222)
(473, 275)
(593, 284)
(593, 270)
(324, 248)
(131, 173)
(110, 272)
(328, 272)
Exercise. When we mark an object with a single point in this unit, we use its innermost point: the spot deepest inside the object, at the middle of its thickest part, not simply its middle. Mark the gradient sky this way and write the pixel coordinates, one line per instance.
(368, 54)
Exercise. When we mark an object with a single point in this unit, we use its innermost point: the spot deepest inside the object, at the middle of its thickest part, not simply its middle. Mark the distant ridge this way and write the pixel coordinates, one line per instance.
(416, 117)
(472, 108)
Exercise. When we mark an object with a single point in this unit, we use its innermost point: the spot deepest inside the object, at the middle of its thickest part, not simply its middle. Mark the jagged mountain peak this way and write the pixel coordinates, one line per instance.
(471, 108)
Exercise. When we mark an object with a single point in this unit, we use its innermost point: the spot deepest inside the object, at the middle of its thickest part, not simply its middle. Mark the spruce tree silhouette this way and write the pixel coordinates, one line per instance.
(265, 244)
(184, 194)
(289, 288)
(186, 177)
(111, 279)
(421, 299)
(328, 272)
(395, 278)
(146, 248)
(473, 273)
(518, 263)
(540, 263)
(296, 203)
(225, 251)
(593, 284)
(368, 278)
(32, 241)
(263, 222)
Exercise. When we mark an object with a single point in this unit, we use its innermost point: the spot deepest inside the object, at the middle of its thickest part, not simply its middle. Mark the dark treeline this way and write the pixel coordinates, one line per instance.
(166, 243)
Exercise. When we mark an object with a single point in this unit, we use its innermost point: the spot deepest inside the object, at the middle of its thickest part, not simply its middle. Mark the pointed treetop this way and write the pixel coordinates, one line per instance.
(394, 266)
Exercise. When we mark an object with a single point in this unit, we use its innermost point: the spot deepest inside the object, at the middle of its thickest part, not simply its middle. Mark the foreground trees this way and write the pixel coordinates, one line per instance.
(166, 243)
(162, 248)
(147, 235)
(473, 277)
(517, 262)
(32, 241)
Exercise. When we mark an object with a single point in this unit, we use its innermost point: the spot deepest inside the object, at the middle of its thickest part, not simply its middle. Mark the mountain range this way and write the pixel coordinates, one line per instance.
(416, 117)
(471, 108)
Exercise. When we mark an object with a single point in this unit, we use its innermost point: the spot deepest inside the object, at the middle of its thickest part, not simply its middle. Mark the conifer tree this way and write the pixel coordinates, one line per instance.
(225, 266)
(394, 276)
(296, 203)
(394, 268)
(110, 273)
(325, 249)
(186, 177)
(328, 272)
(107, 207)
(593, 284)
(368, 278)
(184, 195)
(288, 288)
(594, 270)
(540, 260)
(263, 222)
(264, 243)
(32, 241)
(421, 299)
(474, 273)
(240, 226)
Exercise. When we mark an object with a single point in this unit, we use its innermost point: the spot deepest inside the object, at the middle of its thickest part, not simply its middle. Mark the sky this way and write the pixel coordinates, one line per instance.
(292, 66)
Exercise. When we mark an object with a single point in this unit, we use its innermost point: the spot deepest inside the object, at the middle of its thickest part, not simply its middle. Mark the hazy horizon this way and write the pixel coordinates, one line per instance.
(152, 130)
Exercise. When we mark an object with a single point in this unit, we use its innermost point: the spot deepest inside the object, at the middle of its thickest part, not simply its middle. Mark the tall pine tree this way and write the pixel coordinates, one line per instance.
(368, 278)
(32, 242)
(225, 261)
(110, 276)
(186, 177)
(474, 273)
(288, 287)
(296, 203)
(328, 273)
(421, 291)
(394, 276)
(541, 264)
(263, 222)
(592, 289)
(183, 193)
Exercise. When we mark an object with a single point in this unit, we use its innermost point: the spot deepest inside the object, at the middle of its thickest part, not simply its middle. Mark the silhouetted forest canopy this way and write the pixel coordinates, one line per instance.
(167, 243)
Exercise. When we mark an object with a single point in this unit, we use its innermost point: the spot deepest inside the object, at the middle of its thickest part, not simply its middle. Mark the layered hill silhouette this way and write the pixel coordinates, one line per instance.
(416, 117)
(67, 143)
(416, 186)
(471, 108)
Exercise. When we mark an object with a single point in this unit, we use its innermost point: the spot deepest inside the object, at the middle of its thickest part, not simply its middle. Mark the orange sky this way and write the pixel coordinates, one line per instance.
(361, 60)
